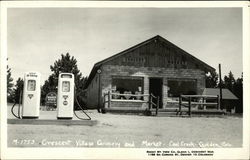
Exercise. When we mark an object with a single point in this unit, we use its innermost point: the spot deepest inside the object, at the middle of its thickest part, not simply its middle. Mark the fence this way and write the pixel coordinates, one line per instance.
(138, 98)
(201, 101)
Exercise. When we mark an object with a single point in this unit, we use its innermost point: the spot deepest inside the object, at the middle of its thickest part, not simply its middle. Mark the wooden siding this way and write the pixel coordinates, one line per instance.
(157, 54)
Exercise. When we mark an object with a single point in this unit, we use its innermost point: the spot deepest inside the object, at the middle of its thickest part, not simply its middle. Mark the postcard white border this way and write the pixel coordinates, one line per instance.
(119, 153)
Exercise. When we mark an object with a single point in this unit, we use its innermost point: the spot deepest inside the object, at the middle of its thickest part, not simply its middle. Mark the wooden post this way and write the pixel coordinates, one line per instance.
(157, 107)
(189, 106)
(149, 102)
(180, 103)
(109, 99)
(203, 106)
(218, 102)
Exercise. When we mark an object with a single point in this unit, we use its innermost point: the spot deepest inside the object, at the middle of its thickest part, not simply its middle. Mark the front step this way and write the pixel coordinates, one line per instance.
(166, 114)
(125, 110)
(174, 112)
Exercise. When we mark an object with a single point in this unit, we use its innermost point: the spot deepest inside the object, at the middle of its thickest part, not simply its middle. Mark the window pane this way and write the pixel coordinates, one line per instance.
(127, 84)
(65, 86)
(178, 87)
(31, 85)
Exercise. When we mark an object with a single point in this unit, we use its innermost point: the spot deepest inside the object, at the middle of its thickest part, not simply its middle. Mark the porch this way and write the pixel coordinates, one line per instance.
(186, 105)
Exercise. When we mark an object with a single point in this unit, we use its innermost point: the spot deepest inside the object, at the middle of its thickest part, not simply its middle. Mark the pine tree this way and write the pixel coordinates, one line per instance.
(9, 85)
(229, 81)
(238, 91)
(236, 87)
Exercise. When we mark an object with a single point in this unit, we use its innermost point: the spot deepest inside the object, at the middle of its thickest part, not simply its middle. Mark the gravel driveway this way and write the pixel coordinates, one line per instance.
(114, 130)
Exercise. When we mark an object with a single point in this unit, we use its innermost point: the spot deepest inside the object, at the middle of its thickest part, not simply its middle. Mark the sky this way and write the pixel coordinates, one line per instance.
(38, 36)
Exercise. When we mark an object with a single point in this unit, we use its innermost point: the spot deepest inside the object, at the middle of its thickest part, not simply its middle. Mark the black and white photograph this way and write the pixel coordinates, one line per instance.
(161, 79)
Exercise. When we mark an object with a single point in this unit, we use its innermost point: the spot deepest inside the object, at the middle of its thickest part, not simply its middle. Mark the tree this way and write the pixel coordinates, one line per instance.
(9, 85)
(236, 87)
(238, 91)
(229, 81)
(80, 90)
(66, 64)
(18, 90)
(211, 80)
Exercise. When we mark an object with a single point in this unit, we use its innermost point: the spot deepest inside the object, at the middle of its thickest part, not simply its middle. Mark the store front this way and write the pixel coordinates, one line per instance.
(155, 66)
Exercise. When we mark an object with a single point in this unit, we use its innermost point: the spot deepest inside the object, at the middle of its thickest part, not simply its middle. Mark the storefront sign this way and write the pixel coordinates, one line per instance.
(51, 99)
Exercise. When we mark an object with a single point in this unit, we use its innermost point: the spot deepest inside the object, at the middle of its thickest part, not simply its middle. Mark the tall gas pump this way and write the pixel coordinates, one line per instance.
(31, 95)
(32, 92)
(65, 96)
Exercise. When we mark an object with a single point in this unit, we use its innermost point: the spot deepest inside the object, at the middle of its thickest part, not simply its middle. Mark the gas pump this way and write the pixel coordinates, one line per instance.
(65, 96)
(31, 95)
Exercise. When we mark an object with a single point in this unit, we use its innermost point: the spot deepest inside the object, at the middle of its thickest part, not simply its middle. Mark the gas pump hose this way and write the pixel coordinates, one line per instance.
(89, 118)
(19, 106)
(12, 109)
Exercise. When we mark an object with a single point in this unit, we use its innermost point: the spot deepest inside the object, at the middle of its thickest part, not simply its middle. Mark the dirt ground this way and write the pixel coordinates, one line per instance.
(114, 130)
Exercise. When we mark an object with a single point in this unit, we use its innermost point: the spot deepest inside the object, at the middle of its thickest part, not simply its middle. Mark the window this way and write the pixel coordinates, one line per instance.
(178, 87)
(31, 85)
(131, 84)
(127, 85)
(66, 86)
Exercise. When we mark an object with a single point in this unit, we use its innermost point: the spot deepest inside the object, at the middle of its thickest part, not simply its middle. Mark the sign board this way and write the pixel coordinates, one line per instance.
(51, 99)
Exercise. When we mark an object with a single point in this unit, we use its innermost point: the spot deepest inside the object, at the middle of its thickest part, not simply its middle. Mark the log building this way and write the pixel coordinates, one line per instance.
(154, 66)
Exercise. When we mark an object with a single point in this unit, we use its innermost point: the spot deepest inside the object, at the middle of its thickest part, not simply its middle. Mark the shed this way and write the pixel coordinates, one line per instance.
(229, 100)
(226, 93)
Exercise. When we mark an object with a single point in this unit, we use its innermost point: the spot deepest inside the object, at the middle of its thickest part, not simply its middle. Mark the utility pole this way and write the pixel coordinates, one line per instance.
(220, 85)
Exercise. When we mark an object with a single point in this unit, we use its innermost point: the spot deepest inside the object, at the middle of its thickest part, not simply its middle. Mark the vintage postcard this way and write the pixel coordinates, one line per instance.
(124, 80)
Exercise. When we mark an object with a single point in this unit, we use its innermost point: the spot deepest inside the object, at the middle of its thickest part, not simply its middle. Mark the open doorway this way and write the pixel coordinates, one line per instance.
(155, 87)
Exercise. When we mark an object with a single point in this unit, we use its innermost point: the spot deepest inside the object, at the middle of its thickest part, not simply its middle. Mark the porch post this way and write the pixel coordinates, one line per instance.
(146, 88)
(180, 103)
(189, 106)
(218, 102)
(165, 92)
(157, 107)
(109, 99)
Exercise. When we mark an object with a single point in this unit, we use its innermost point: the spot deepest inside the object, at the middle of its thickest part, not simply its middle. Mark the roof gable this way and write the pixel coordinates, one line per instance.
(159, 40)
(164, 44)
